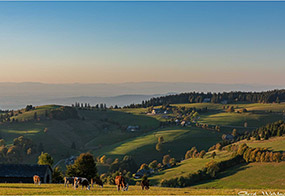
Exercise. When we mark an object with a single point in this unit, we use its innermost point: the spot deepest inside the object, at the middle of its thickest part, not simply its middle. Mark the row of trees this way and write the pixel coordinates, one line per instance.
(274, 96)
(87, 106)
(21, 148)
(263, 133)
(210, 171)
(193, 153)
(255, 154)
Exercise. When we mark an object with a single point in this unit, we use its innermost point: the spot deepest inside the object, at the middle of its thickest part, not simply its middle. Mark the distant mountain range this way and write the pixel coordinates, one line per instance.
(18, 95)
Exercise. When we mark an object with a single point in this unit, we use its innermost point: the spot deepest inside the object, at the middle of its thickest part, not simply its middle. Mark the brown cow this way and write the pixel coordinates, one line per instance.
(145, 184)
(121, 183)
(37, 180)
(96, 180)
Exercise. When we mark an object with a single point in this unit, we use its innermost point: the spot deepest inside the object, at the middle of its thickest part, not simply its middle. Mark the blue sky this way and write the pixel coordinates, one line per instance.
(112, 42)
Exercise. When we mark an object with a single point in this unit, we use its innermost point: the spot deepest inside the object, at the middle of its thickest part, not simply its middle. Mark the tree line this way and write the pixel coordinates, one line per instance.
(273, 96)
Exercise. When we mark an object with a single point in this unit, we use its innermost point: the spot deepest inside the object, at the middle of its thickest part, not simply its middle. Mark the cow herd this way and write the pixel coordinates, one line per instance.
(120, 182)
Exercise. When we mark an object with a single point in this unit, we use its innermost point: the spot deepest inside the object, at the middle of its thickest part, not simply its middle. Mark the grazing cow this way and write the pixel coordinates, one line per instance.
(121, 183)
(96, 181)
(68, 180)
(37, 180)
(79, 181)
(145, 184)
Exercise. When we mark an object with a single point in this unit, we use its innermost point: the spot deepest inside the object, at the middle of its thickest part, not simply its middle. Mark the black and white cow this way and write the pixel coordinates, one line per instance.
(79, 181)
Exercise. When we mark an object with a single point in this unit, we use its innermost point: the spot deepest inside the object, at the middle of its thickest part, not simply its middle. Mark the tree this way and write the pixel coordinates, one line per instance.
(2, 142)
(218, 146)
(57, 176)
(35, 116)
(234, 133)
(202, 154)
(166, 159)
(103, 159)
(153, 164)
(277, 157)
(45, 159)
(29, 151)
(84, 166)
(160, 139)
(212, 168)
(172, 161)
(213, 154)
(158, 147)
(144, 166)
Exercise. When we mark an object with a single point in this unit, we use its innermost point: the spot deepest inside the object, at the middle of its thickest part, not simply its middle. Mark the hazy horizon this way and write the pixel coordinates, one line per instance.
(18, 95)
(123, 42)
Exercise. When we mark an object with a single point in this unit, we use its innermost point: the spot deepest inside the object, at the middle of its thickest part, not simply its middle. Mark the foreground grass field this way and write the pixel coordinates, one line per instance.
(59, 189)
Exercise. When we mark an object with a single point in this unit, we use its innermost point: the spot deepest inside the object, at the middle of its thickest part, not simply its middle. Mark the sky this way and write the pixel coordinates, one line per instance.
(116, 42)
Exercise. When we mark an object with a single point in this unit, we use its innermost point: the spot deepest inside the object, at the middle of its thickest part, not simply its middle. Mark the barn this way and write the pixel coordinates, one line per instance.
(23, 173)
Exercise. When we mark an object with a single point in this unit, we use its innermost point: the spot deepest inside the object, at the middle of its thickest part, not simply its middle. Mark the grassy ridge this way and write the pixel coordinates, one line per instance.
(274, 144)
(253, 175)
(250, 176)
(189, 166)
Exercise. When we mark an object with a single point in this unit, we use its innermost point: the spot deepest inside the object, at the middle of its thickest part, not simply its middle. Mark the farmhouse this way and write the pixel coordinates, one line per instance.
(22, 173)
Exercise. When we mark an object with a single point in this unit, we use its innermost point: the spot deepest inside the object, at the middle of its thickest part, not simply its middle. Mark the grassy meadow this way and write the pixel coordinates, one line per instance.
(59, 189)
(176, 142)
(250, 176)
(274, 143)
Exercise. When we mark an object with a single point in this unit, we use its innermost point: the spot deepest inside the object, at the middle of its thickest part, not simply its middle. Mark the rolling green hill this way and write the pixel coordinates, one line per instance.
(253, 175)
(189, 166)
(104, 132)
(249, 176)
(176, 142)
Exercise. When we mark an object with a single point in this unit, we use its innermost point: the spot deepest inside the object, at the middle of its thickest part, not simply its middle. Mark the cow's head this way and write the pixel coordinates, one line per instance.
(76, 181)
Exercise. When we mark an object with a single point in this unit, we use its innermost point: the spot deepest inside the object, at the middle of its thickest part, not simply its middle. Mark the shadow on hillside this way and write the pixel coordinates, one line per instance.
(229, 172)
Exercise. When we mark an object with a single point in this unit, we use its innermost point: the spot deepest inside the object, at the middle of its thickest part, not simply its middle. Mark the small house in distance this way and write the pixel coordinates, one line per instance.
(156, 111)
(133, 128)
(228, 137)
(207, 100)
(23, 173)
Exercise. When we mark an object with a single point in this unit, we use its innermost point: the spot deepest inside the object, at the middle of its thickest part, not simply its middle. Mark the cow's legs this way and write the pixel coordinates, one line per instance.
(118, 187)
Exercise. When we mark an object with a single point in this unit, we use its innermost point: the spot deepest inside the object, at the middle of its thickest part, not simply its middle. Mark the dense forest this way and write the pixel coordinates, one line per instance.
(274, 96)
